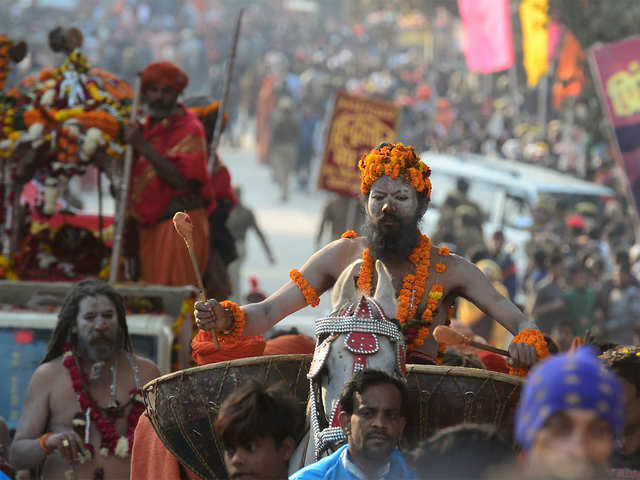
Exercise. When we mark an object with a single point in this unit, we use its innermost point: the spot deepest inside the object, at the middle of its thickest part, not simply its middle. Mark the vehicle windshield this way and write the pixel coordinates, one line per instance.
(482, 193)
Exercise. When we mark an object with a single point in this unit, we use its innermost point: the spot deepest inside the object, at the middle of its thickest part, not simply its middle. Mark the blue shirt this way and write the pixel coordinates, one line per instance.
(338, 466)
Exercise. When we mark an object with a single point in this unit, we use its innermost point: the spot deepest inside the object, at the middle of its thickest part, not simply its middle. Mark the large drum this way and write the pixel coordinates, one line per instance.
(183, 405)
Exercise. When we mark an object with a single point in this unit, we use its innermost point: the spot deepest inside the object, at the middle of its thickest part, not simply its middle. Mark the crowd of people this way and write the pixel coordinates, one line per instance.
(83, 412)
(578, 417)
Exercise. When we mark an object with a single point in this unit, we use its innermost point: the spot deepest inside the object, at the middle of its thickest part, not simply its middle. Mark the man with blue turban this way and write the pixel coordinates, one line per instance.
(569, 417)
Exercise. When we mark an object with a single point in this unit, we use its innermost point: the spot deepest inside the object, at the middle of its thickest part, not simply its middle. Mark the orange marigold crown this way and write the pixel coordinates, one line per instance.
(394, 160)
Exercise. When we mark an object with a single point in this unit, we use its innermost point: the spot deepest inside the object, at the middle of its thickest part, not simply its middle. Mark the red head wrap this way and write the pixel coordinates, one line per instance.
(164, 73)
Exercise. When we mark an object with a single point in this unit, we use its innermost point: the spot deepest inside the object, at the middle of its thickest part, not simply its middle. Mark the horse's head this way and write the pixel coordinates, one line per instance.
(347, 300)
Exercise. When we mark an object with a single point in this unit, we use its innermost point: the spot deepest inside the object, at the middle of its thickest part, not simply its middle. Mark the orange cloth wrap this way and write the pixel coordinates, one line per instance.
(164, 258)
(204, 352)
(149, 457)
(163, 73)
(289, 344)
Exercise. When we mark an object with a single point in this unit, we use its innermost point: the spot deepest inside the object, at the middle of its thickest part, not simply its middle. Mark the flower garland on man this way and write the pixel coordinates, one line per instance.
(396, 191)
(84, 400)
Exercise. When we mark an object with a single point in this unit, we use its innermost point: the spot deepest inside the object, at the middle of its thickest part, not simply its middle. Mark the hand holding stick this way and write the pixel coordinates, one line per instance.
(449, 336)
(184, 227)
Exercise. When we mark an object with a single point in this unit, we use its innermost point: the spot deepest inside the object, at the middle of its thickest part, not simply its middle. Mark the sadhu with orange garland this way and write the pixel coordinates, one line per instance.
(396, 189)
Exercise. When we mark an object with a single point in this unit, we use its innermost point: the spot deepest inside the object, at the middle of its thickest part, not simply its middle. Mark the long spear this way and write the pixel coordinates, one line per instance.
(215, 141)
(124, 190)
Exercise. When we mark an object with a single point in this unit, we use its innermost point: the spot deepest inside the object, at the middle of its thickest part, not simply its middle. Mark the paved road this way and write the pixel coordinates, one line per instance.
(289, 227)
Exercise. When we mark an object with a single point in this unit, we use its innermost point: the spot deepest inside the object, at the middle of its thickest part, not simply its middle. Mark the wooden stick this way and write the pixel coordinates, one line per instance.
(124, 189)
(449, 336)
(217, 131)
(184, 227)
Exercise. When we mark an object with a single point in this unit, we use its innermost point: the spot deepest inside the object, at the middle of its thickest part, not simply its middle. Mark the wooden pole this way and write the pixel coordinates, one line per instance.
(100, 212)
(217, 132)
(124, 191)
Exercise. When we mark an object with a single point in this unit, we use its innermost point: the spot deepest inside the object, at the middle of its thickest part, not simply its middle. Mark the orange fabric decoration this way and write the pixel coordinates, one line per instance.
(534, 338)
(43, 445)
(493, 361)
(349, 234)
(576, 343)
(150, 459)
(239, 322)
(162, 237)
(101, 120)
(394, 160)
(307, 290)
(204, 352)
(163, 73)
(289, 344)
(570, 71)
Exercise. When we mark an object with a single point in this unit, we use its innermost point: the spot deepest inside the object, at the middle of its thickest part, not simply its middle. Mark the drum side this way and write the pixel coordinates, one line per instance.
(183, 405)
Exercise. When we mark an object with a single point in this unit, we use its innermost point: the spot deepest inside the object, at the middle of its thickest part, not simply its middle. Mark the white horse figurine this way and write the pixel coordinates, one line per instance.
(358, 334)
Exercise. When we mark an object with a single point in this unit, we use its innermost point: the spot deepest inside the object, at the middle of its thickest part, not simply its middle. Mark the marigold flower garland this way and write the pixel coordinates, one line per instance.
(307, 290)
(534, 338)
(112, 442)
(394, 160)
(239, 322)
(416, 331)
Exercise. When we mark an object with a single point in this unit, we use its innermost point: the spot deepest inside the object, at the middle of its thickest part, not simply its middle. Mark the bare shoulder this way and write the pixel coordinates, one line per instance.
(147, 369)
(47, 371)
(459, 269)
(343, 248)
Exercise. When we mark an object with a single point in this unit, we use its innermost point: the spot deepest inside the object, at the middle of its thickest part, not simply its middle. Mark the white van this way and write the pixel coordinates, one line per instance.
(505, 191)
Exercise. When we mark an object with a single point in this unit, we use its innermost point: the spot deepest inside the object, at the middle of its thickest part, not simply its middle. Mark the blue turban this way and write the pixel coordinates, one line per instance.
(572, 380)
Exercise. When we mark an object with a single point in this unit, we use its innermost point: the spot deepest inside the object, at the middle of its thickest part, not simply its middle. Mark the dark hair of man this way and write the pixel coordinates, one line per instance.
(462, 452)
(63, 333)
(630, 371)
(254, 411)
(366, 378)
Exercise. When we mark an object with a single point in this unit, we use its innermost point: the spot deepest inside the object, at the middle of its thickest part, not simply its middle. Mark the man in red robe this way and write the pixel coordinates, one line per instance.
(168, 175)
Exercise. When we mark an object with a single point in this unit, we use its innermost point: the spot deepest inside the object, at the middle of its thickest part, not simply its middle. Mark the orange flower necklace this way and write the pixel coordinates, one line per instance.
(416, 330)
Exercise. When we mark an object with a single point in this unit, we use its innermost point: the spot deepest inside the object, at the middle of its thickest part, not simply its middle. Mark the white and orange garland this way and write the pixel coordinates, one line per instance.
(66, 114)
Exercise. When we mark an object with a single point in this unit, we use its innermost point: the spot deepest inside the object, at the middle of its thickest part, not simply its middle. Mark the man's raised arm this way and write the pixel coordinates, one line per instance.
(470, 283)
(320, 271)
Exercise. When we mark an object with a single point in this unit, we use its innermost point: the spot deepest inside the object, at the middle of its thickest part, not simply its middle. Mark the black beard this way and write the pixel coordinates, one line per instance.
(393, 244)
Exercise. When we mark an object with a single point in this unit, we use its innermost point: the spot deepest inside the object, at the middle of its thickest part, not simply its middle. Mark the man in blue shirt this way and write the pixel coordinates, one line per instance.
(374, 413)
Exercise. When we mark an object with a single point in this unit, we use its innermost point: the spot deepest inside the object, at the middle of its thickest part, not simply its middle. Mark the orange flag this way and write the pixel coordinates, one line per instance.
(570, 71)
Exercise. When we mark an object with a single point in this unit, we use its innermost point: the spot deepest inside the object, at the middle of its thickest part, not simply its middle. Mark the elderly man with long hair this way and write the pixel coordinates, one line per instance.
(83, 402)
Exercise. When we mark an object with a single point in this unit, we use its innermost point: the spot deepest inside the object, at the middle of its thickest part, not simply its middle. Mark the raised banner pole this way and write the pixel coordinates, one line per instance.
(124, 191)
(217, 132)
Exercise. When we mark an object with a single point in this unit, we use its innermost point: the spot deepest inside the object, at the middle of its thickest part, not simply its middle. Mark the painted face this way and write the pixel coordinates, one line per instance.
(260, 459)
(99, 334)
(574, 443)
(376, 424)
(161, 100)
(392, 203)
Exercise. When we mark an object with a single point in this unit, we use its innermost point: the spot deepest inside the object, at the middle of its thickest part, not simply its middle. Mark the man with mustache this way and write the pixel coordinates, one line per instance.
(374, 413)
(396, 192)
(84, 400)
(169, 175)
